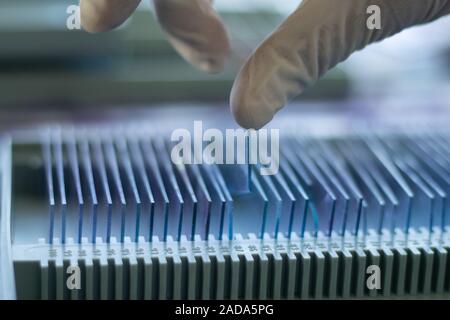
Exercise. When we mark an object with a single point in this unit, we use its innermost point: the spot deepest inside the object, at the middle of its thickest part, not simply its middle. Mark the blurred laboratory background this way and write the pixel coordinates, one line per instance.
(43, 65)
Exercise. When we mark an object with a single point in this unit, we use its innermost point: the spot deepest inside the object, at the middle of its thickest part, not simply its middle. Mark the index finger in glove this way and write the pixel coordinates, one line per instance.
(317, 36)
(196, 31)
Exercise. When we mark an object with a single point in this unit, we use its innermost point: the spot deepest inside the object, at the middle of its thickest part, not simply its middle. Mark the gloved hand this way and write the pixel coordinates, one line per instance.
(312, 40)
(192, 26)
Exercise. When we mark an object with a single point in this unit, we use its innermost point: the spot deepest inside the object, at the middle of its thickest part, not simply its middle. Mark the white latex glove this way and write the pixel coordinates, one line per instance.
(192, 26)
(312, 40)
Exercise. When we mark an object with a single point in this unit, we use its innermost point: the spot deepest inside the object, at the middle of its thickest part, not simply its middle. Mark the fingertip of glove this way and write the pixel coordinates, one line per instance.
(215, 52)
(213, 62)
(247, 112)
(211, 66)
(208, 51)
(91, 25)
